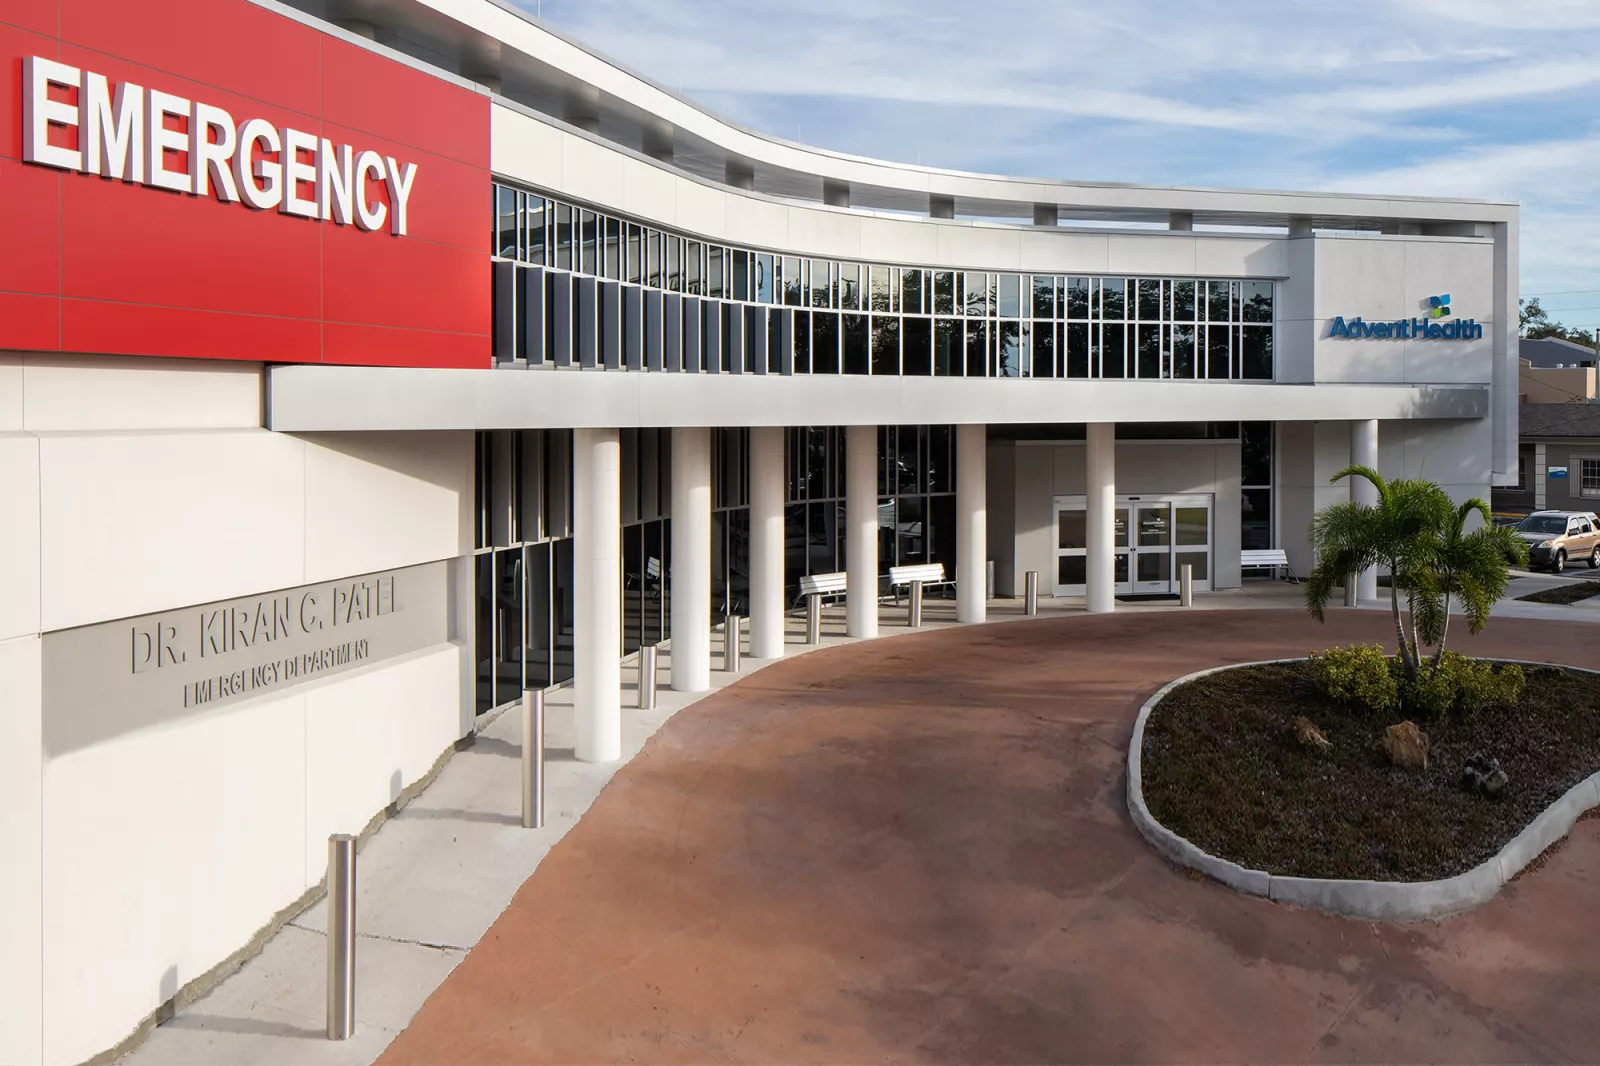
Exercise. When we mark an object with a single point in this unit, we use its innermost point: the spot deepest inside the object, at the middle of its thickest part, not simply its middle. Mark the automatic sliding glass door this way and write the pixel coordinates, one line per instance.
(1153, 537)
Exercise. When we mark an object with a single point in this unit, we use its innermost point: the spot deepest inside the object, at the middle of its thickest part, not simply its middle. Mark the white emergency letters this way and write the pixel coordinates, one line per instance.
(135, 134)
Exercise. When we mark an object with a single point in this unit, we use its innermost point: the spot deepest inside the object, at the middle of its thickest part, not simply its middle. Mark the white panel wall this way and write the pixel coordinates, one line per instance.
(10, 392)
(370, 737)
(1308, 454)
(19, 535)
(1454, 454)
(1389, 278)
(380, 500)
(21, 848)
(165, 851)
(557, 160)
(1036, 519)
(98, 393)
(134, 866)
(1001, 515)
(146, 521)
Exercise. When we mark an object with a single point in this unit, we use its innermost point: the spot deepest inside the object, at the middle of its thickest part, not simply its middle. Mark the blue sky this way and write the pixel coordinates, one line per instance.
(1494, 99)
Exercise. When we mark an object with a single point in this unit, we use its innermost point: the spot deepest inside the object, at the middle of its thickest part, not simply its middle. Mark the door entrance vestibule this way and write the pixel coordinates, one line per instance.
(1155, 535)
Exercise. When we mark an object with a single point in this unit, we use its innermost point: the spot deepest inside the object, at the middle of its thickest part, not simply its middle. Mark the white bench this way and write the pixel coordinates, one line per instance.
(921, 574)
(823, 585)
(1273, 559)
(916, 577)
(813, 587)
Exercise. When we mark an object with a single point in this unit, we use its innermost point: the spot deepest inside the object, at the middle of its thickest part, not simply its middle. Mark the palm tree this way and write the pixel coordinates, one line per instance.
(1418, 534)
(1470, 566)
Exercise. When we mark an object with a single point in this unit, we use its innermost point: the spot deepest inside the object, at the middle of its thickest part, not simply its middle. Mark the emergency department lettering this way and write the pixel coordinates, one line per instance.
(132, 133)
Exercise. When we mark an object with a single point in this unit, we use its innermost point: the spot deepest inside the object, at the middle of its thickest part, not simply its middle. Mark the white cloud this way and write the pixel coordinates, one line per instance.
(1482, 98)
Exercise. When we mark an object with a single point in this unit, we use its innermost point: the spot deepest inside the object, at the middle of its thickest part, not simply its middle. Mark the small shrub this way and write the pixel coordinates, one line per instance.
(1480, 686)
(1359, 674)
(1463, 683)
(1431, 695)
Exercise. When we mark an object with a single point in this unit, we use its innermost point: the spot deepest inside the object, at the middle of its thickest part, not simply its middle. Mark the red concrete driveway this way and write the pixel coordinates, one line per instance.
(917, 850)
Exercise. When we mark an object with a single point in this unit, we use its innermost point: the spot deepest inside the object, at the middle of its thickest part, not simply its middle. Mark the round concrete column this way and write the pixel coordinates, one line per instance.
(597, 593)
(1100, 484)
(1364, 452)
(691, 559)
(972, 523)
(861, 543)
(766, 542)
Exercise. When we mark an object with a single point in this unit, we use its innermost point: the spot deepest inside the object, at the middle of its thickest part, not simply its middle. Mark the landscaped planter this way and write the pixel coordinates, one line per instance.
(1372, 899)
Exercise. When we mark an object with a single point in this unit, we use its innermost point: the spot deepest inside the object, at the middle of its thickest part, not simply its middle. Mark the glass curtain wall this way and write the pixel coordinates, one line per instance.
(730, 522)
(523, 561)
(840, 317)
(916, 500)
(646, 537)
(1255, 479)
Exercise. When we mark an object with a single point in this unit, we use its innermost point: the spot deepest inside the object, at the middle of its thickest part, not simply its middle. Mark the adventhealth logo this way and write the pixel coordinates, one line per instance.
(1422, 329)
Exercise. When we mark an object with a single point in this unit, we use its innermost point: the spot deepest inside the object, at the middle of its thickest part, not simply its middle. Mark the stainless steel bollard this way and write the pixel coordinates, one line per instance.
(341, 936)
(647, 678)
(730, 643)
(1351, 589)
(1186, 584)
(814, 619)
(1030, 595)
(533, 758)
(914, 615)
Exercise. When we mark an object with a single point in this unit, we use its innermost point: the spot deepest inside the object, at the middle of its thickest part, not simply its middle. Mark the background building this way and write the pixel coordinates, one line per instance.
(363, 363)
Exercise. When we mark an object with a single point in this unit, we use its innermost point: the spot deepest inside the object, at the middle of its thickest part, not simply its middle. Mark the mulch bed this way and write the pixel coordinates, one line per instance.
(1571, 592)
(1223, 769)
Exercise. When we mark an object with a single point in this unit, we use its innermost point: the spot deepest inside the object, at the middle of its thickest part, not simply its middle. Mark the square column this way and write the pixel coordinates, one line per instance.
(597, 593)
(766, 542)
(972, 523)
(861, 542)
(1364, 452)
(1101, 485)
(691, 559)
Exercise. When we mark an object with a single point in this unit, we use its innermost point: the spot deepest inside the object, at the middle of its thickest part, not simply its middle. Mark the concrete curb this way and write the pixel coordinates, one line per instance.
(1391, 901)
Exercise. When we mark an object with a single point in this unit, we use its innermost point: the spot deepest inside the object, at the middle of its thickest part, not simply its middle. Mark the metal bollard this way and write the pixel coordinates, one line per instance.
(533, 758)
(1351, 588)
(914, 615)
(341, 936)
(1186, 584)
(730, 643)
(647, 678)
(1030, 595)
(814, 619)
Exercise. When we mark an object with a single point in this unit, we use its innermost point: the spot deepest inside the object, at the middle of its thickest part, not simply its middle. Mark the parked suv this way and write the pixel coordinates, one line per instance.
(1556, 538)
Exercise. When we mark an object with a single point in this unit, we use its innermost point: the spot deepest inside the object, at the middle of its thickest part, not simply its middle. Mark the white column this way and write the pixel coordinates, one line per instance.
(1100, 483)
(1364, 452)
(766, 542)
(861, 543)
(972, 523)
(691, 559)
(597, 593)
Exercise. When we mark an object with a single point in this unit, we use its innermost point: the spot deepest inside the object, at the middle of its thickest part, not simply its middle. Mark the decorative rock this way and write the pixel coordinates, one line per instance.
(1309, 735)
(1406, 746)
(1484, 775)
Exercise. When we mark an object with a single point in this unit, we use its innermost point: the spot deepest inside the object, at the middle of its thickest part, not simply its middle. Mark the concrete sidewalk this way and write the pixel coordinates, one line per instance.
(432, 880)
(434, 877)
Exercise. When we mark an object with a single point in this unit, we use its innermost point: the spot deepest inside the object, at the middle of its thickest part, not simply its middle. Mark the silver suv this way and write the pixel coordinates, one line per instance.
(1556, 538)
